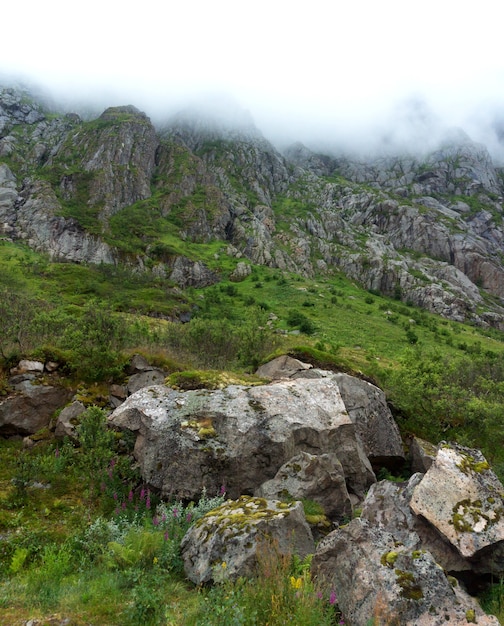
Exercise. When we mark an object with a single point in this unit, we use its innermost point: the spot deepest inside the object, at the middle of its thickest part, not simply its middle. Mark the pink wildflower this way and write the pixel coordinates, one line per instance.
(332, 597)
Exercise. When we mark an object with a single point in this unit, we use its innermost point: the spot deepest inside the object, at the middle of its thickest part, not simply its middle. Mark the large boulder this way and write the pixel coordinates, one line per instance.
(315, 477)
(239, 436)
(226, 541)
(376, 579)
(387, 507)
(463, 500)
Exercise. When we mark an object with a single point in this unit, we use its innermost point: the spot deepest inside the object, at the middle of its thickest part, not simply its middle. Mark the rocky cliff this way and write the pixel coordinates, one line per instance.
(425, 229)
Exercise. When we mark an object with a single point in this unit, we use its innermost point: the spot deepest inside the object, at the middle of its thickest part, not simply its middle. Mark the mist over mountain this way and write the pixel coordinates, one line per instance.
(416, 212)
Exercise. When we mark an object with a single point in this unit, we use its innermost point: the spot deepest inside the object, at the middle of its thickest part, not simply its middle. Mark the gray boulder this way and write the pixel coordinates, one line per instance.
(387, 507)
(320, 478)
(462, 498)
(376, 579)
(146, 378)
(227, 542)
(68, 420)
(367, 408)
(422, 454)
(282, 367)
(238, 436)
(31, 408)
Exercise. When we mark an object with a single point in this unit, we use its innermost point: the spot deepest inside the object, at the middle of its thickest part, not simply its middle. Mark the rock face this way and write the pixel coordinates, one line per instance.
(425, 228)
(239, 436)
(374, 578)
(226, 541)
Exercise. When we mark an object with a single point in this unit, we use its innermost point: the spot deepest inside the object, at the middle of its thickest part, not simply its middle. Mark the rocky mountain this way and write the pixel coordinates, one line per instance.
(426, 229)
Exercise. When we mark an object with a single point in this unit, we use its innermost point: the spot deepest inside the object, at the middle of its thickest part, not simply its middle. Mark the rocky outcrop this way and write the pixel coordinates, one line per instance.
(423, 228)
(415, 541)
(115, 162)
(375, 578)
(239, 436)
(226, 543)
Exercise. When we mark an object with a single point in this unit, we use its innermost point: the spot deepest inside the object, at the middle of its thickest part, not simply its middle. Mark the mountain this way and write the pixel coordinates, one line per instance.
(426, 229)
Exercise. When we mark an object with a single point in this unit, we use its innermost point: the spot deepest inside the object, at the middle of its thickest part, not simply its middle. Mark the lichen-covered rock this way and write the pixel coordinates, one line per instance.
(225, 542)
(68, 420)
(463, 499)
(387, 506)
(376, 579)
(319, 478)
(238, 436)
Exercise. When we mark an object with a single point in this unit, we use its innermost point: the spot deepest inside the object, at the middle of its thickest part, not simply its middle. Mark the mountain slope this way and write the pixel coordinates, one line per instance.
(424, 229)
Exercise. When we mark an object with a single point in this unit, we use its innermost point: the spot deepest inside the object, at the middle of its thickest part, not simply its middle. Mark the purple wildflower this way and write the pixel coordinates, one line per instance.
(57, 453)
(142, 493)
(155, 521)
(175, 511)
(332, 597)
(189, 517)
(115, 496)
(123, 506)
(222, 491)
(166, 535)
(130, 495)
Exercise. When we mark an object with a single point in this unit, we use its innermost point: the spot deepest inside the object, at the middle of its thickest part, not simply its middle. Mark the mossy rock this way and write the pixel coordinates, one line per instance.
(208, 379)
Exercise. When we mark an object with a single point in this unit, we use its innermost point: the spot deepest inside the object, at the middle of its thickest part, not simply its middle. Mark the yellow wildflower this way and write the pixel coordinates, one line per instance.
(296, 583)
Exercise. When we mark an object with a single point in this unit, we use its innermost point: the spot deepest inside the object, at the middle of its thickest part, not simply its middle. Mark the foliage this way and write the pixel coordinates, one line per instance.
(451, 398)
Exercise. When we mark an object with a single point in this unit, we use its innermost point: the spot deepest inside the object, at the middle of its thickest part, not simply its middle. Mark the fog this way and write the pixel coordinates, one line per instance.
(364, 76)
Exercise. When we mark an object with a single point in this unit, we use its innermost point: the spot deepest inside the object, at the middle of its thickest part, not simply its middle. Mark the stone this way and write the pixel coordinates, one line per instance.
(463, 500)
(138, 364)
(31, 408)
(30, 366)
(374, 578)
(422, 454)
(239, 435)
(145, 379)
(315, 477)
(227, 542)
(387, 507)
(282, 367)
(68, 420)
(376, 428)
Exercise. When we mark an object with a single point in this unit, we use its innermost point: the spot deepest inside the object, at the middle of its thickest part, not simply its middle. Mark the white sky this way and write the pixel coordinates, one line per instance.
(297, 63)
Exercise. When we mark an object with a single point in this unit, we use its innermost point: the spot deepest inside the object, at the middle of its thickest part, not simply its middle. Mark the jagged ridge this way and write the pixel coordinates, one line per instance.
(116, 190)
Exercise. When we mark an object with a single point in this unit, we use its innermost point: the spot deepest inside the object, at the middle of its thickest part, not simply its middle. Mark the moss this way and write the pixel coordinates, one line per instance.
(389, 558)
(410, 588)
(236, 517)
(471, 616)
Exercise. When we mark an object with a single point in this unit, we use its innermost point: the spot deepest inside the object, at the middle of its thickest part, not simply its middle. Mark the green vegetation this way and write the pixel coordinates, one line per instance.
(94, 545)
